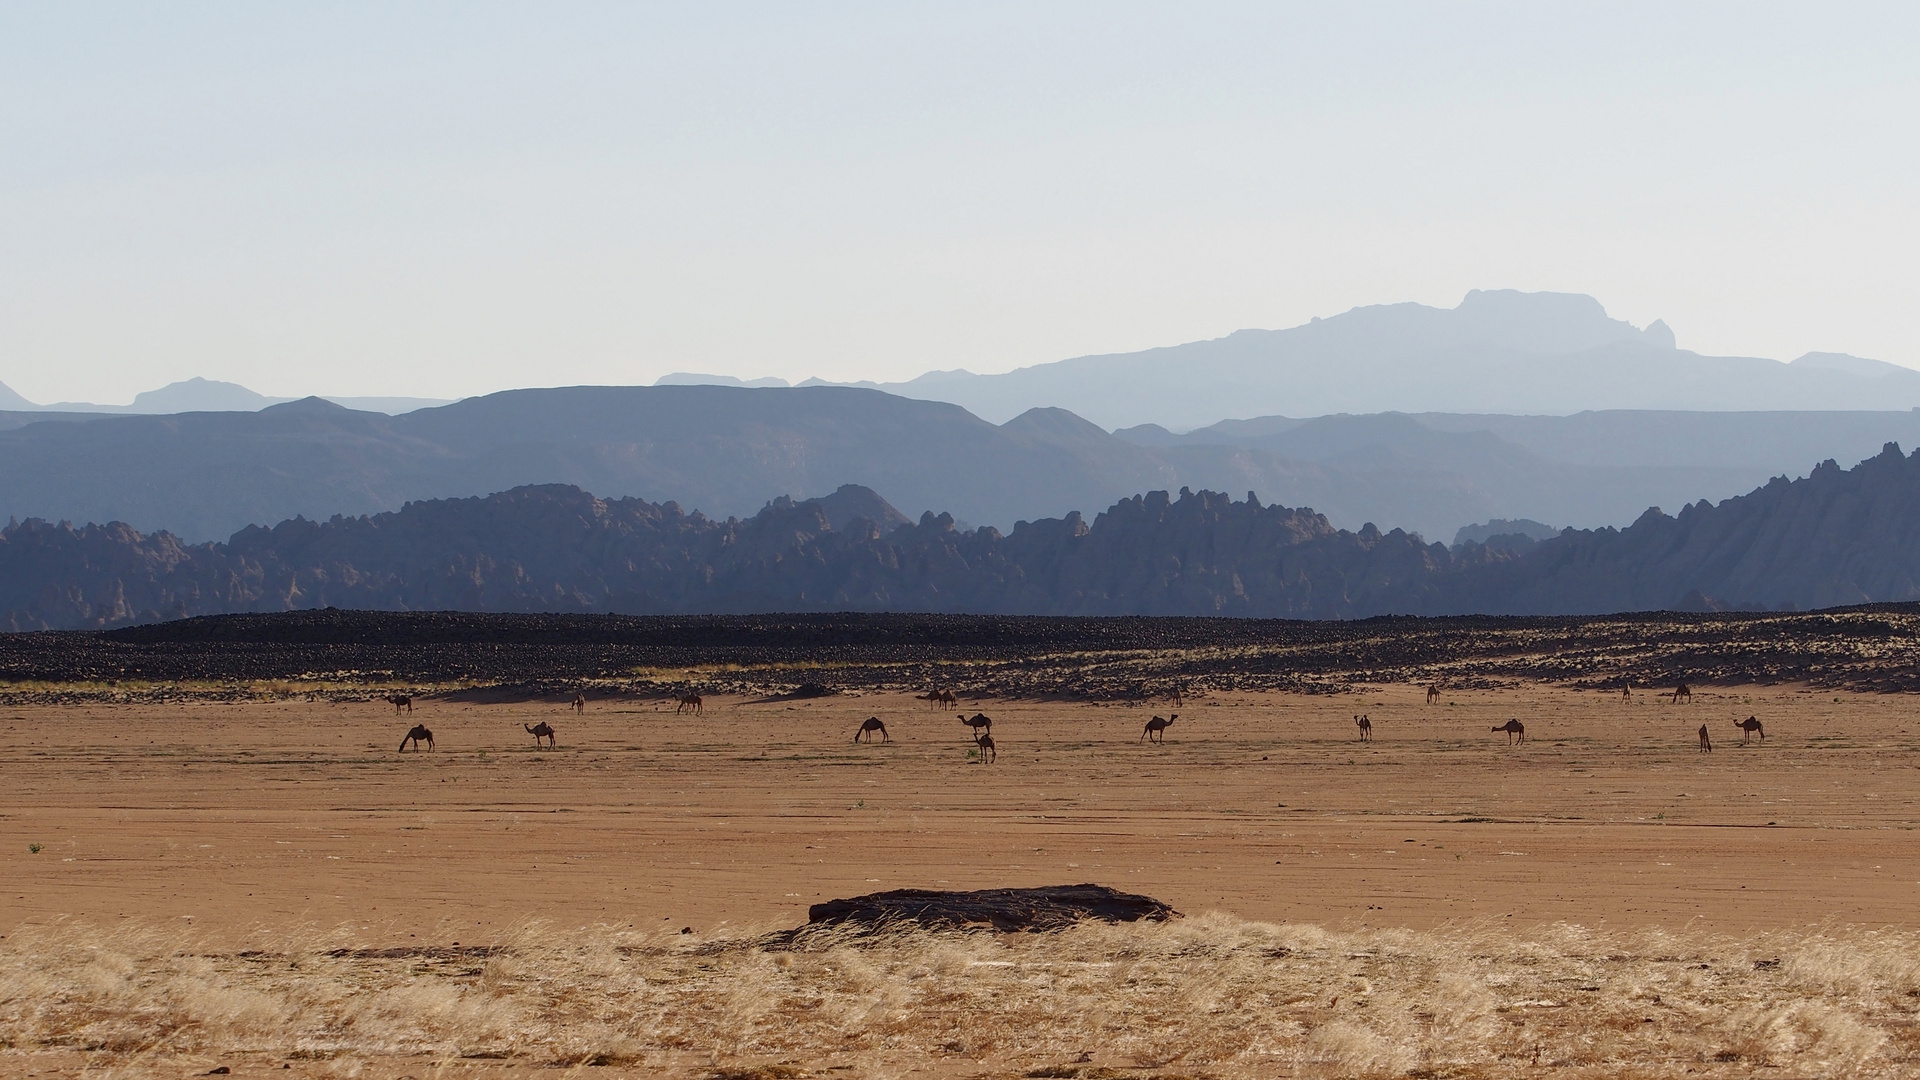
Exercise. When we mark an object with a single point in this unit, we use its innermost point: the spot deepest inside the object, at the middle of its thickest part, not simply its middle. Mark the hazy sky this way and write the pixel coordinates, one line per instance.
(443, 199)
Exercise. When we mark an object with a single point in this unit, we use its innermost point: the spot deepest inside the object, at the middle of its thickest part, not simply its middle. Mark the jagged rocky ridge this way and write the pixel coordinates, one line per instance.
(1836, 537)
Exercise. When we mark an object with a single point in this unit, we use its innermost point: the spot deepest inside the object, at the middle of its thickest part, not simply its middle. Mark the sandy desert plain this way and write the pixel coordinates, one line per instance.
(268, 887)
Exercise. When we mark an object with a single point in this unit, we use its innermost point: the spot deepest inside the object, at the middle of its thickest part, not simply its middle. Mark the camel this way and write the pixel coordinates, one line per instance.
(1512, 728)
(579, 703)
(940, 699)
(1681, 693)
(1626, 695)
(1433, 693)
(399, 702)
(869, 726)
(1366, 728)
(1750, 726)
(1157, 726)
(985, 742)
(692, 701)
(1706, 741)
(978, 721)
(542, 730)
(416, 736)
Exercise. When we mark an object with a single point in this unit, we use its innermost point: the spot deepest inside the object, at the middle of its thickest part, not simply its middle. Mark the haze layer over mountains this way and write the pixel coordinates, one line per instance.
(728, 451)
(1499, 351)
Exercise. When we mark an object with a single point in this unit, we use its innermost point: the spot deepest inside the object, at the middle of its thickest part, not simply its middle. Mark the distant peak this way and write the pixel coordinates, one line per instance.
(13, 401)
(1850, 365)
(307, 405)
(694, 378)
(853, 501)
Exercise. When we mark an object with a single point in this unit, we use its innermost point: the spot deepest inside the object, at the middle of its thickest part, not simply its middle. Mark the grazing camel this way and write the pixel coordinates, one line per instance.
(1750, 726)
(870, 725)
(1681, 693)
(1512, 728)
(692, 701)
(1433, 693)
(978, 721)
(579, 703)
(399, 702)
(416, 736)
(543, 730)
(1366, 728)
(1706, 741)
(985, 742)
(1158, 727)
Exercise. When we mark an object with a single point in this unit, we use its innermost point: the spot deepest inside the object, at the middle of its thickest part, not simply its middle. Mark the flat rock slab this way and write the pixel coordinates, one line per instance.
(1051, 907)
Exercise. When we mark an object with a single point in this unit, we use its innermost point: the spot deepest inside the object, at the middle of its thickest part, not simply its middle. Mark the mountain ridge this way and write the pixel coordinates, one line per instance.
(1498, 351)
(1836, 537)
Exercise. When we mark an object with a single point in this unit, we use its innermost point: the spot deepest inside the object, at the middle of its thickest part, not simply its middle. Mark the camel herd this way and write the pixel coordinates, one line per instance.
(981, 726)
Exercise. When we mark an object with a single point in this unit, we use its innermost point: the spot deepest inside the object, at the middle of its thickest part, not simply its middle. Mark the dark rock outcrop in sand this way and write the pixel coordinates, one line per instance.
(1050, 907)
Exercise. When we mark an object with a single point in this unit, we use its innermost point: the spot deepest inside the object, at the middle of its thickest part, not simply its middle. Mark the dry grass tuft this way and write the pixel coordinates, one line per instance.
(1205, 996)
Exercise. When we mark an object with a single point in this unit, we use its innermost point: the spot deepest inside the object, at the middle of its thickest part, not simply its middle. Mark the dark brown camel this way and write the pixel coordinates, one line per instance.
(1366, 728)
(399, 702)
(1626, 695)
(690, 701)
(940, 699)
(419, 734)
(543, 730)
(978, 721)
(985, 742)
(579, 703)
(1433, 693)
(1681, 693)
(870, 725)
(1512, 728)
(1706, 741)
(1158, 727)
(1750, 726)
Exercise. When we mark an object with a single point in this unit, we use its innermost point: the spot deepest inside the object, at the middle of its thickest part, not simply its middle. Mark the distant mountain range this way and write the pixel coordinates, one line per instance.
(728, 451)
(205, 395)
(1836, 537)
(1497, 352)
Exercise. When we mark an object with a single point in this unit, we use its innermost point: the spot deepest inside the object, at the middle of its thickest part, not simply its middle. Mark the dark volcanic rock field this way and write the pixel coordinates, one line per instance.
(355, 653)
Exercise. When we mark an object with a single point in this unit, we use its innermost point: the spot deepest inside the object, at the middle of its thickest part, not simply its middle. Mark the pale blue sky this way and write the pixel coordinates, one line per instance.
(443, 199)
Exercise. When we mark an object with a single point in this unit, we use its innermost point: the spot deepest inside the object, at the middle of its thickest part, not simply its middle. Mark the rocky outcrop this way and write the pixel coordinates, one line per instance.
(557, 548)
(1049, 907)
(1837, 537)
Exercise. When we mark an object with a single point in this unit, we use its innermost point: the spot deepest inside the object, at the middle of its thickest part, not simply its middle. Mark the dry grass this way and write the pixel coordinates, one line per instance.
(1209, 995)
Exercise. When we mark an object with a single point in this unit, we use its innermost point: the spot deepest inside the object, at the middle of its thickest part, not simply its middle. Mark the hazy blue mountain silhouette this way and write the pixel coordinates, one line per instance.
(728, 451)
(1499, 351)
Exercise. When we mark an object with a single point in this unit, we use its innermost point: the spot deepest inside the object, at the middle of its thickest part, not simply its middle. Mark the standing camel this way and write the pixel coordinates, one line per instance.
(579, 703)
(543, 730)
(1750, 726)
(940, 699)
(1433, 693)
(1681, 693)
(985, 742)
(1158, 727)
(978, 721)
(1626, 695)
(1512, 728)
(869, 726)
(416, 736)
(1706, 741)
(1366, 728)
(692, 701)
(399, 702)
